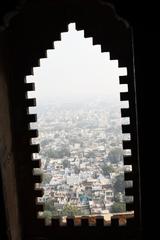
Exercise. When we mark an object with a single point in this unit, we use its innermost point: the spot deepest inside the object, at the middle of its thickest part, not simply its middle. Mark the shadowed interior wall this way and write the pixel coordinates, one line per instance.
(6, 150)
(7, 165)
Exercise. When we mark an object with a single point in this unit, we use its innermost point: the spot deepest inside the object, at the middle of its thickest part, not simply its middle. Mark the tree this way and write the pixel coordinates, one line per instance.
(47, 215)
(44, 142)
(118, 186)
(58, 153)
(70, 210)
(49, 207)
(107, 169)
(66, 163)
(76, 170)
(90, 154)
(118, 207)
(95, 175)
(46, 178)
(115, 155)
(50, 153)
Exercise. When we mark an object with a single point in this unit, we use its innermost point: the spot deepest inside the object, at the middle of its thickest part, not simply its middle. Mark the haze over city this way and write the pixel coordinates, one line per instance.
(75, 69)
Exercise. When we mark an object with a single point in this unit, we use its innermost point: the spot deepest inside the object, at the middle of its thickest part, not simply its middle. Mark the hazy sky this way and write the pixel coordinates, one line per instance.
(76, 68)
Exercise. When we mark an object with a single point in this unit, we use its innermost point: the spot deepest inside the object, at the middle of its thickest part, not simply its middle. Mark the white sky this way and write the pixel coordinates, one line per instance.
(76, 67)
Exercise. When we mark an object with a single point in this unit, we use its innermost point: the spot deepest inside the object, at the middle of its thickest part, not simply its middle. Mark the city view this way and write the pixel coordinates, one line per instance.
(80, 137)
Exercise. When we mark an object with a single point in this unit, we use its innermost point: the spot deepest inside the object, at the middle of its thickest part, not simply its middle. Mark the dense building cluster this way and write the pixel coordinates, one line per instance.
(82, 158)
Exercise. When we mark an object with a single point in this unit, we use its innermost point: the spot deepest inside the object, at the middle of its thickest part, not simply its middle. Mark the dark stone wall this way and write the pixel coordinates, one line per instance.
(9, 212)
(145, 31)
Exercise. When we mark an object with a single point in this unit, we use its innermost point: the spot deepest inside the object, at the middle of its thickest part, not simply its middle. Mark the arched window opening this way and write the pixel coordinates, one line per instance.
(77, 90)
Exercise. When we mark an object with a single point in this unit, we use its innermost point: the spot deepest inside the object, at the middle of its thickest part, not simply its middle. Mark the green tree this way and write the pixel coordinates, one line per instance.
(58, 153)
(44, 142)
(94, 175)
(115, 155)
(70, 210)
(46, 178)
(47, 214)
(49, 205)
(118, 187)
(50, 153)
(76, 170)
(66, 163)
(118, 207)
(107, 169)
(90, 154)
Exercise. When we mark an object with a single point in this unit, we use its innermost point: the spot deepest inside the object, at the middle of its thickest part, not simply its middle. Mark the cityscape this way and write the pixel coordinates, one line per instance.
(82, 158)
(79, 125)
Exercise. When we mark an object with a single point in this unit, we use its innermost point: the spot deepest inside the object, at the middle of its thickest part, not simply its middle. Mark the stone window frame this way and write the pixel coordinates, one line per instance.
(91, 17)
